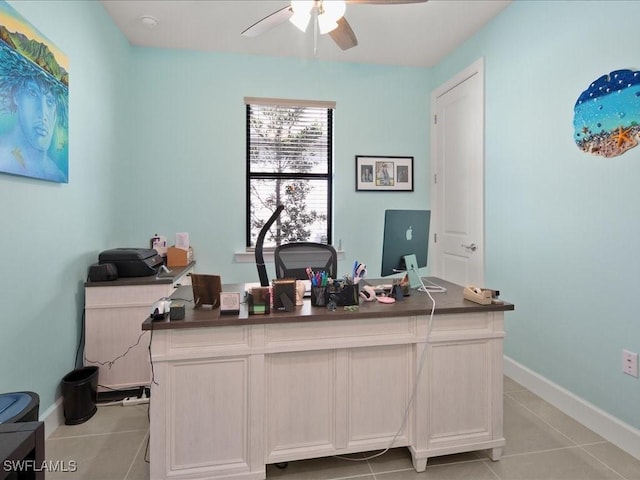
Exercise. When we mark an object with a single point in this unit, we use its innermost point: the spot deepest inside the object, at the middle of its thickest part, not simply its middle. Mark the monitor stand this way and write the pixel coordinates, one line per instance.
(411, 264)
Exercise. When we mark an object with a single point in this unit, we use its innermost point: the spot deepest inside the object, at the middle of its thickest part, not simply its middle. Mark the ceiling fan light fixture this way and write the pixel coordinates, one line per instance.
(325, 24)
(329, 13)
(301, 21)
(301, 13)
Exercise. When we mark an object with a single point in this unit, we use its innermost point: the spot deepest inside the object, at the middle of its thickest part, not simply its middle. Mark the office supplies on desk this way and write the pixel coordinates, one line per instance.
(318, 296)
(160, 309)
(182, 241)
(343, 293)
(359, 271)
(178, 257)
(317, 279)
(477, 295)
(368, 293)
(159, 244)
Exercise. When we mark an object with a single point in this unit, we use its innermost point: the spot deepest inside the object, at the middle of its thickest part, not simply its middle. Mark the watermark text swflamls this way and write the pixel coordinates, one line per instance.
(30, 465)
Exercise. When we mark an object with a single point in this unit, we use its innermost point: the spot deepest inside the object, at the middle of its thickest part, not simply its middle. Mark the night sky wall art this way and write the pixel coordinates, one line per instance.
(606, 117)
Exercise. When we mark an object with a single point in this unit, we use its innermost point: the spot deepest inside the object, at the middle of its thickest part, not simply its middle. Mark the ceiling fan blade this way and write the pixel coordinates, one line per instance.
(387, 2)
(343, 35)
(268, 22)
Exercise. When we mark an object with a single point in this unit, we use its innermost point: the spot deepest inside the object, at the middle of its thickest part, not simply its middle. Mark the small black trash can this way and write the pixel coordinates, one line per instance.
(79, 390)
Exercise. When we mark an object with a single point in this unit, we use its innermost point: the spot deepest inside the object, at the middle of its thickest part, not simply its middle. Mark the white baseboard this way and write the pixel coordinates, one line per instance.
(52, 417)
(604, 424)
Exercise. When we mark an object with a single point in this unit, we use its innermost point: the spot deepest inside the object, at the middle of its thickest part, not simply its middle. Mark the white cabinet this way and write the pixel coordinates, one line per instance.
(461, 388)
(114, 340)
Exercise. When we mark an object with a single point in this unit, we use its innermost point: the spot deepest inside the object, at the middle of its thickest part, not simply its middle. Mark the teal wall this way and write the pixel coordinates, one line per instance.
(51, 233)
(562, 226)
(186, 167)
(157, 146)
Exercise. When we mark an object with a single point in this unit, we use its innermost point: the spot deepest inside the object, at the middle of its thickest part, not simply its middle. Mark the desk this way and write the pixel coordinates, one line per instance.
(234, 393)
(22, 442)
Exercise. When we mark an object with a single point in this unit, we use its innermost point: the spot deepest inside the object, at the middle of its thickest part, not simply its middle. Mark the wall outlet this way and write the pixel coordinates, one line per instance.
(630, 363)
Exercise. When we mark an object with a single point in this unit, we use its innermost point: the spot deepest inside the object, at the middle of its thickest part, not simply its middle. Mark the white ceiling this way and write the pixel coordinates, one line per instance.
(418, 34)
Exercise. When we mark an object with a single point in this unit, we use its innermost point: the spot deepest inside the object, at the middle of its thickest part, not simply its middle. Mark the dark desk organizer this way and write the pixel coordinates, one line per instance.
(339, 292)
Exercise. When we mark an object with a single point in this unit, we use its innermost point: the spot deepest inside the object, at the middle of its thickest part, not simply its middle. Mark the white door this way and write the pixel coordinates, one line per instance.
(457, 166)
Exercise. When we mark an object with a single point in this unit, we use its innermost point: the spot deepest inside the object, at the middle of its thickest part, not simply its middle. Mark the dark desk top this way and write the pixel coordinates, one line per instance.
(17, 441)
(162, 277)
(418, 303)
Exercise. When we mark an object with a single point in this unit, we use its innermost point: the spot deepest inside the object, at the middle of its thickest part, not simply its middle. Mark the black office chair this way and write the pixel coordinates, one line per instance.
(292, 259)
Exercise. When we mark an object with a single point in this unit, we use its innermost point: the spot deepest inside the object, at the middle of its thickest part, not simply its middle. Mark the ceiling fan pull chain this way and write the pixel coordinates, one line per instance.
(315, 36)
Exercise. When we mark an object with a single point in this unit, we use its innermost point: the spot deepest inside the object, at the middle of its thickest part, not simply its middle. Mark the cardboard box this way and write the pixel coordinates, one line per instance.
(177, 257)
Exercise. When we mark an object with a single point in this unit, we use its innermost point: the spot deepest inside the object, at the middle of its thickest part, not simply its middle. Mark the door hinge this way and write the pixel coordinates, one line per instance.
(435, 238)
(435, 178)
(435, 119)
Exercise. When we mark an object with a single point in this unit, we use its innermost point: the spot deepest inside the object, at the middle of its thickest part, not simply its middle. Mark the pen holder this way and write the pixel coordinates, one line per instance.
(318, 296)
(343, 293)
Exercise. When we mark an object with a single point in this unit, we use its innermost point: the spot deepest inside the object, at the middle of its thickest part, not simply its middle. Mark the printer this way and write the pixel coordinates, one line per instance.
(132, 262)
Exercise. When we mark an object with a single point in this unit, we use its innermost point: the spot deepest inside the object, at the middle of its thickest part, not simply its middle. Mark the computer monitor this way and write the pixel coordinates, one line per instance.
(406, 232)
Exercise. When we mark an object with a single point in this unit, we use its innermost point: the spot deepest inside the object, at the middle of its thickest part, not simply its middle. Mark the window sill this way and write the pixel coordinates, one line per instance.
(250, 257)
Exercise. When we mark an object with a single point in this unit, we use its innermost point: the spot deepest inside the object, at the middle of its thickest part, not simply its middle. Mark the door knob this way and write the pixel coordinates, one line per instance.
(471, 247)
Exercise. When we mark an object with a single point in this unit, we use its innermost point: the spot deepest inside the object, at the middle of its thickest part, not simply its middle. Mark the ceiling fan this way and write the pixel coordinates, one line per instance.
(329, 13)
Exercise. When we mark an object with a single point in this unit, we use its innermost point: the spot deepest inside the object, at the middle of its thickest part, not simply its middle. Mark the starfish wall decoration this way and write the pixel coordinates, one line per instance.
(600, 110)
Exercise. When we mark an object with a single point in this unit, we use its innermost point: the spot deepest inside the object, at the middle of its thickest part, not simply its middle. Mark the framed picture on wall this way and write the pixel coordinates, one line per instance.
(34, 101)
(384, 173)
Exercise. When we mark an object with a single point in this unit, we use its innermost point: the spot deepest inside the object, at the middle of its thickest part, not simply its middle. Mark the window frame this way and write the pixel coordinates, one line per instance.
(328, 176)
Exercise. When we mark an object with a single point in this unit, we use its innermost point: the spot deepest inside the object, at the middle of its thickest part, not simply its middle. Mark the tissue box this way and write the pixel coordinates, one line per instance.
(177, 257)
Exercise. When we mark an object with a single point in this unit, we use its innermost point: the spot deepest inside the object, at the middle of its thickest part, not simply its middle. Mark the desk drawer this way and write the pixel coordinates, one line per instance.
(340, 333)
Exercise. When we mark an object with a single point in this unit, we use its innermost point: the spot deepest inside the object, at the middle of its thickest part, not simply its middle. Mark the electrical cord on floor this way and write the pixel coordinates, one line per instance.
(421, 364)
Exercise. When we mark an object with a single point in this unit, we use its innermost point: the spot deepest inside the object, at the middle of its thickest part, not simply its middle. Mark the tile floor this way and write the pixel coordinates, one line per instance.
(542, 443)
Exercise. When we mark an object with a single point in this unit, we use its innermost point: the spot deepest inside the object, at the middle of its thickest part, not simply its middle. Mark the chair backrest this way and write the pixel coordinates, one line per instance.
(292, 259)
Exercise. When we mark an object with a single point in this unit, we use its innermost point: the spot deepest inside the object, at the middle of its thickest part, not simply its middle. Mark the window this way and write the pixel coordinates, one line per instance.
(289, 162)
